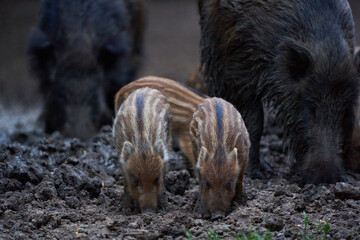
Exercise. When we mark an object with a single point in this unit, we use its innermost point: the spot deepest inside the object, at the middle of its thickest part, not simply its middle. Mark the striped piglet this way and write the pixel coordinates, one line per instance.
(142, 137)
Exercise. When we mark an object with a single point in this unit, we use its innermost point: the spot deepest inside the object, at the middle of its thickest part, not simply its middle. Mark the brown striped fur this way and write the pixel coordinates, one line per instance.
(196, 81)
(142, 139)
(222, 142)
(183, 101)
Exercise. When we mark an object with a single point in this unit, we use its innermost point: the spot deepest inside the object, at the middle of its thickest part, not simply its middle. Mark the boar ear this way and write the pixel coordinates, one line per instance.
(160, 149)
(38, 41)
(294, 59)
(202, 157)
(117, 45)
(112, 50)
(127, 150)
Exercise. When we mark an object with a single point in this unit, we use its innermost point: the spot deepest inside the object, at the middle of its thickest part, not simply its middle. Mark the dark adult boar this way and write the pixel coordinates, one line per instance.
(82, 52)
(296, 55)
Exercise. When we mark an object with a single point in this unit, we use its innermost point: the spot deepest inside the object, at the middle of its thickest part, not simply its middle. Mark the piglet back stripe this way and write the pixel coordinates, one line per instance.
(217, 123)
(143, 119)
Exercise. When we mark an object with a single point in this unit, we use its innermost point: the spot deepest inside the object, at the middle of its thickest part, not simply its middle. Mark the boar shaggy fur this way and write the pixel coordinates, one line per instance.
(296, 55)
(82, 52)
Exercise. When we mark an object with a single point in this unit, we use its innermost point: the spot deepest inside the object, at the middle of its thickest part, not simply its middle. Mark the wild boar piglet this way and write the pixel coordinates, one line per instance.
(142, 137)
(222, 142)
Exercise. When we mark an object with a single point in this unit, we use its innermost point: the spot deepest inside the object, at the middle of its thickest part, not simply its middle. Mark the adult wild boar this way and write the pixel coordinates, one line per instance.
(82, 52)
(296, 55)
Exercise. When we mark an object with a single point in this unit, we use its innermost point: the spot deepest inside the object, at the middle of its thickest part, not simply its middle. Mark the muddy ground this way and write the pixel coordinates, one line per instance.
(57, 188)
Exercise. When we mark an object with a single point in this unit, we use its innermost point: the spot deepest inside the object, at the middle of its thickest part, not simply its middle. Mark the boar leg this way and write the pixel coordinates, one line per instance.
(53, 114)
(253, 115)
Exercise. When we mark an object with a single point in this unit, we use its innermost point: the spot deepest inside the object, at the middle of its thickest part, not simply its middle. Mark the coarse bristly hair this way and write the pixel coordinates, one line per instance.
(142, 137)
(222, 143)
(183, 101)
(143, 119)
(295, 55)
(82, 52)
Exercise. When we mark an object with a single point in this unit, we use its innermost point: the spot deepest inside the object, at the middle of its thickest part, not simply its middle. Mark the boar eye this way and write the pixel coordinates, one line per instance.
(157, 181)
(207, 184)
(228, 185)
(135, 181)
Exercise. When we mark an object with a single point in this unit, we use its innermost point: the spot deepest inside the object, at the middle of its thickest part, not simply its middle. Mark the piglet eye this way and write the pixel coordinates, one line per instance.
(135, 181)
(157, 180)
(207, 184)
(228, 185)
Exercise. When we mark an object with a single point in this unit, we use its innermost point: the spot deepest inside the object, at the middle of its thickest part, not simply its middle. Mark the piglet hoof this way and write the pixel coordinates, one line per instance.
(148, 211)
(217, 215)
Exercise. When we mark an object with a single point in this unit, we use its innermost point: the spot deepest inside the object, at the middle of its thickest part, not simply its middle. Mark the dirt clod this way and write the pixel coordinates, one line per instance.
(347, 191)
(177, 182)
(274, 224)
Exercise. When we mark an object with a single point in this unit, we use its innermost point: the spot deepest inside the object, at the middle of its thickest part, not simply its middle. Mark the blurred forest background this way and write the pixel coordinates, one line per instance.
(171, 49)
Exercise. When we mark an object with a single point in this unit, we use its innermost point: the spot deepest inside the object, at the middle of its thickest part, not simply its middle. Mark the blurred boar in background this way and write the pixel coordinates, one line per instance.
(296, 55)
(82, 52)
(142, 136)
(221, 143)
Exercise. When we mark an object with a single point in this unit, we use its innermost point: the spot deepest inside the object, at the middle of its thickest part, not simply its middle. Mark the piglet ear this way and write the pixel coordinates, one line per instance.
(38, 41)
(160, 149)
(233, 155)
(127, 150)
(202, 157)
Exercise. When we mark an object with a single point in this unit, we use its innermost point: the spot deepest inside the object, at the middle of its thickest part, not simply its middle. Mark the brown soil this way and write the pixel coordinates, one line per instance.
(57, 188)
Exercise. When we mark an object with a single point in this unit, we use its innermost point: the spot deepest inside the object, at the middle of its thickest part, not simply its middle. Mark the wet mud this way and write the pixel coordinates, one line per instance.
(57, 188)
